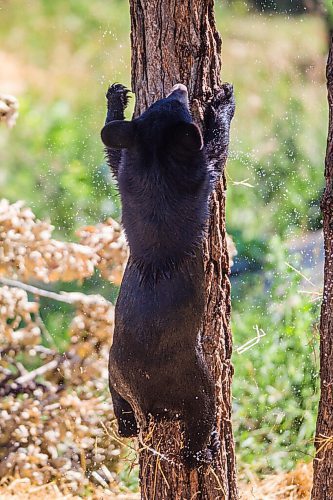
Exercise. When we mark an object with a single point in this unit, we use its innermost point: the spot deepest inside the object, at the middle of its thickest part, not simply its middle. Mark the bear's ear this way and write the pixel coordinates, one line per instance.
(118, 134)
(186, 137)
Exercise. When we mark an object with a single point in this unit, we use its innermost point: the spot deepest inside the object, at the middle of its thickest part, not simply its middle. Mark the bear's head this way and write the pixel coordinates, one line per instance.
(167, 124)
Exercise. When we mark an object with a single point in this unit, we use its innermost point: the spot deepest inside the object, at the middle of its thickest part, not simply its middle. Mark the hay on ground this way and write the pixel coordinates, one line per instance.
(292, 485)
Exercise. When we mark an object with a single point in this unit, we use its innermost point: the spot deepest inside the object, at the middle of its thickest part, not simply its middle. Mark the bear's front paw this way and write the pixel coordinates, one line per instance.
(223, 100)
(117, 96)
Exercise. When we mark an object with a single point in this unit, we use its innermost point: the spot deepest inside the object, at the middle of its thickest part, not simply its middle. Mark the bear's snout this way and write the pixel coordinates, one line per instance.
(179, 91)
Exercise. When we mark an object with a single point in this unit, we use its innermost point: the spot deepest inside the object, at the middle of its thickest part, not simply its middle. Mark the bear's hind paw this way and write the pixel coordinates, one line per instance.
(194, 459)
(224, 100)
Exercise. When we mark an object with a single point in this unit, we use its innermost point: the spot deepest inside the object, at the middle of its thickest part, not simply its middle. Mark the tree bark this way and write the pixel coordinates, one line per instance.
(177, 42)
(323, 463)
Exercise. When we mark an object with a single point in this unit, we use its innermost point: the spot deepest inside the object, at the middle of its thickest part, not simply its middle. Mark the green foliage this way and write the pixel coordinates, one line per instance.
(328, 5)
(59, 166)
(277, 66)
(276, 382)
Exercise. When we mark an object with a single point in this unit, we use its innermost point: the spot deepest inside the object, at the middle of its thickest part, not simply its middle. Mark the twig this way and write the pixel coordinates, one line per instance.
(24, 379)
(242, 183)
(143, 445)
(44, 350)
(44, 330)
(37, 291)
(325, 442)
(312, 292)
(300, 274)
(99, 479)
(20, 368)
(221, 488)
(252, 342)
(14, 389)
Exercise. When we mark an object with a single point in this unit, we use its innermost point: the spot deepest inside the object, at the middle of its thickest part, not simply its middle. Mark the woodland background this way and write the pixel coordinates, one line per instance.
(58, 58)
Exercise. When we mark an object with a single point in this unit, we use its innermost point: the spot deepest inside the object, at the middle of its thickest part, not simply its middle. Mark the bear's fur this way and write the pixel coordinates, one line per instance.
(165, 175)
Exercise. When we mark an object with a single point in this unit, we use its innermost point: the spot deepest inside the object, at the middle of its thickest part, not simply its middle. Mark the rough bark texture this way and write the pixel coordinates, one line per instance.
(323, 463)
(176, 42)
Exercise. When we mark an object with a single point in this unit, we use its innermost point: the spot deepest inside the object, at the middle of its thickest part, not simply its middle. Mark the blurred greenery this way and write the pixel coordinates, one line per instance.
(276, 381)
(58, 59)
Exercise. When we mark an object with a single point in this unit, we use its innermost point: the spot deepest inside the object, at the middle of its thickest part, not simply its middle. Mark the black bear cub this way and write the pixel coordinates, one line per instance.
(165, 173)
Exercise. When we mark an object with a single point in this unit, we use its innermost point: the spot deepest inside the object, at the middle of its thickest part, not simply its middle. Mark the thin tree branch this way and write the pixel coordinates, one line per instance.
(24, 379)
(38, 291)
(44, 330)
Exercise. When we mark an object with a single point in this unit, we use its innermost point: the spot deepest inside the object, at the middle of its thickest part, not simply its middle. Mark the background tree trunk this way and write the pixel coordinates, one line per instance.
(323, 463)
(177, 42)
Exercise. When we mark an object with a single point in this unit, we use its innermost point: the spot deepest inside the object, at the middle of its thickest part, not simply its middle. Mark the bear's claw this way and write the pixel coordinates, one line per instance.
(224, 100)
(117, 94)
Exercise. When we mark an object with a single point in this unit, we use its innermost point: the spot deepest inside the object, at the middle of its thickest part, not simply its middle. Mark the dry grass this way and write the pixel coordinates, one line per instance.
(292, 486)
(23, 489)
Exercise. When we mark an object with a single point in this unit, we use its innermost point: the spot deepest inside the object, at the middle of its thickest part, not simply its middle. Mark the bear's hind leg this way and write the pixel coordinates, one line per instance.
(200, 440)
(127, 426)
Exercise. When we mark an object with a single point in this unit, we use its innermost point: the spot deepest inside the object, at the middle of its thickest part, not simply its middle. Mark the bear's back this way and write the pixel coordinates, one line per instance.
(164, 204)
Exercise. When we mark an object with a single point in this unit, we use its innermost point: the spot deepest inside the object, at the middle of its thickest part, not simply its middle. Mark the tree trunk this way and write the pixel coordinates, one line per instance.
(177, 42)
(323, 463)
